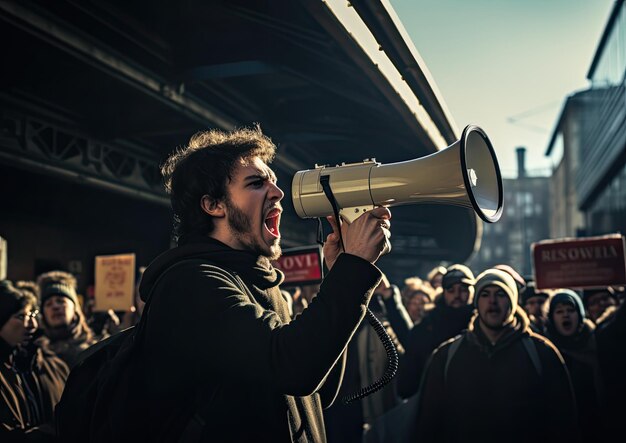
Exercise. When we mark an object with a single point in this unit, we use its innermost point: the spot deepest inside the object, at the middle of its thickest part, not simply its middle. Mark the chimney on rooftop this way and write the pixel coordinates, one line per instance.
(521, 159)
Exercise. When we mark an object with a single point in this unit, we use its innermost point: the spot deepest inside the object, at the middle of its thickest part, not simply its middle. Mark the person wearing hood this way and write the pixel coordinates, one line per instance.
(63, 321)
(451, 315)
(574, 336)
(597, 301)
(31, 377)
(220, 358)
(493, 381)
(535, 303)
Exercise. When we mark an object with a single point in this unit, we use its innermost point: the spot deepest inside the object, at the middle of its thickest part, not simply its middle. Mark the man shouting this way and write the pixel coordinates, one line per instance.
(220, 359)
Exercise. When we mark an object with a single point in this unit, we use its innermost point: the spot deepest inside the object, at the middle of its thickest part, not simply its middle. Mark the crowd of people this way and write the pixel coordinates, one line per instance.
(43, 330)
(492, 358)
(228, 355)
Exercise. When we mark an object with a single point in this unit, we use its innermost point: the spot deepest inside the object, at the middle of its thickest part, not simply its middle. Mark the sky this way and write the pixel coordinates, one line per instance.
(507, 65)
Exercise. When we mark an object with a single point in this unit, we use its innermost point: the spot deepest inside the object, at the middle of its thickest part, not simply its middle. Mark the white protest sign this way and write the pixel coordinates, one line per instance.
(115, 282)
(3, 259)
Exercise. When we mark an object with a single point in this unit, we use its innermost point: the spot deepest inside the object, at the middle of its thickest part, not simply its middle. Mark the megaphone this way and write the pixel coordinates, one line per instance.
(465, 173)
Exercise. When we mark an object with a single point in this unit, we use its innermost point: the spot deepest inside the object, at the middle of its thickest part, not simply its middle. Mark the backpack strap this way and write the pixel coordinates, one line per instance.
(527, 341)
(531, 348)
(454, 346)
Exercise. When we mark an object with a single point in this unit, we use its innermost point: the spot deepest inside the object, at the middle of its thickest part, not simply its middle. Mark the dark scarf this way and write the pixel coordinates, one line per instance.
(260, 276)
(513, 331)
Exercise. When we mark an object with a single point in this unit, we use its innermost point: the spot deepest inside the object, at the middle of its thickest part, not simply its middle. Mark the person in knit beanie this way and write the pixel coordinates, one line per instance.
(63, 320)
(575, 337)
(535, 303)
(496, 299)
(496, 368)
(31, 377)
(450, 315)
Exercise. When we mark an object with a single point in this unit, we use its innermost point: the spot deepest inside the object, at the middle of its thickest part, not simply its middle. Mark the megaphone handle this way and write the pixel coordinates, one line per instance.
(392, 354)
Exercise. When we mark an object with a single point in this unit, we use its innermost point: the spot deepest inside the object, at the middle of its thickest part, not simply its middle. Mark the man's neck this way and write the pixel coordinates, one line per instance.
(493, 335)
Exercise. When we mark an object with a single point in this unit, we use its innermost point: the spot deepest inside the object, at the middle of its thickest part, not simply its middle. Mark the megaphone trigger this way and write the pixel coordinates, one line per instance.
(348, 215)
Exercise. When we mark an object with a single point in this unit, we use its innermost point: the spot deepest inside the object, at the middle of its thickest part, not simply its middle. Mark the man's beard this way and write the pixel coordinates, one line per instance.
(242, 229)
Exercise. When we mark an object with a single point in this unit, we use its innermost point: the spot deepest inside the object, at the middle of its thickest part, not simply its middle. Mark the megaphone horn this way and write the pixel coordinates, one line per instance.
(465, 173)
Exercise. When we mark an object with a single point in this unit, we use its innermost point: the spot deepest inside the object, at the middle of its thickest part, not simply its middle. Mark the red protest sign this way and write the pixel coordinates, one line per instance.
(301, 266)
(579, 262)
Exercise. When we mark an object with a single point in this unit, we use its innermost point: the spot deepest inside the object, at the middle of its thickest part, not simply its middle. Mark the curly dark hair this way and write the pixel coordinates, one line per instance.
(204, 167)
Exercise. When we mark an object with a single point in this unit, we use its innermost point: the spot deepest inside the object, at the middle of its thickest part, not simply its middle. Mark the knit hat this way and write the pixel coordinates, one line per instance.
(11, 301)
(496, 277)
(529, 292)
(568, 297)
(519, 280)
(457, 274)
(60, 289)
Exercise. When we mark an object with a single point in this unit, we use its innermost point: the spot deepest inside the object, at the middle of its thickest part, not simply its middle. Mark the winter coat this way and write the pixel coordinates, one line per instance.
(610, 338)
(31, 382)
(367, 362)
(68, 342)
(440, 324)
(232, 355)
(494, 393)
(581, 357)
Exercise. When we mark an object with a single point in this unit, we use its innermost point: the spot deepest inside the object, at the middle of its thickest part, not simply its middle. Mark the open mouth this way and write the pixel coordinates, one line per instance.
(567, 324)
(272, 221)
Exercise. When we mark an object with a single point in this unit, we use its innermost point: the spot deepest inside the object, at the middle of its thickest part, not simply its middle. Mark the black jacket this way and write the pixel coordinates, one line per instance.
(31, 382)
(234, 355)
(439, 325)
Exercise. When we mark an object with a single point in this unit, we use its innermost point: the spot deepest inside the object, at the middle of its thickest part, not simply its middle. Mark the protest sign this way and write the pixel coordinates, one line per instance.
(3, 259)
(115, 282)
(301, 265)
(579, 262)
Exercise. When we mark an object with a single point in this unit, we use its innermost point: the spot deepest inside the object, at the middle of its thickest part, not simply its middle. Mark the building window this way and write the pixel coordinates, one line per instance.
(486, 254)
(510, 210)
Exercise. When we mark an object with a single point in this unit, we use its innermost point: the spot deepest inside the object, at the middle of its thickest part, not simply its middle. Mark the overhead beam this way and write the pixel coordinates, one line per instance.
(70, 40)
(229, 70)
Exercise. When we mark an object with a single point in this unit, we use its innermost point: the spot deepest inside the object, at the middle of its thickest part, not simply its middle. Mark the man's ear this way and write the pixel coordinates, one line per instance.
(215, 208)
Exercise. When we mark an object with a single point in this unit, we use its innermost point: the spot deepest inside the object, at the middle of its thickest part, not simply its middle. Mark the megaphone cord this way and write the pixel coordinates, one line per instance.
(392, 362)
(390, 348)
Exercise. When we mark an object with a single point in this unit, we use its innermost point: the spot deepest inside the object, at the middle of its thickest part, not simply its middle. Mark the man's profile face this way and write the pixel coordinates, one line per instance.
(253, 208)
(456, 295)
(20, 327)
(494, 306)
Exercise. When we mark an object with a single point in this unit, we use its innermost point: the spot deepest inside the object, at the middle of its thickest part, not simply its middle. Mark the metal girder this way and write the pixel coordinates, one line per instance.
(68, 39)
(229, 70)
(40, 145)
